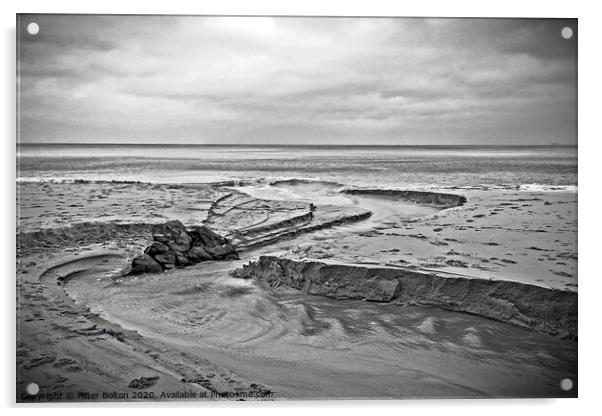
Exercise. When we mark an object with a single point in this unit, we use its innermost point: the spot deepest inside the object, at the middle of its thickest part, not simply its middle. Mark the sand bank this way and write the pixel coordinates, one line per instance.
(528, 306)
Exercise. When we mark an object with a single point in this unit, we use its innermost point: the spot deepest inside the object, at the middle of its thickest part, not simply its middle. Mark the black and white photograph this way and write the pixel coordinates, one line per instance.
(267, 208)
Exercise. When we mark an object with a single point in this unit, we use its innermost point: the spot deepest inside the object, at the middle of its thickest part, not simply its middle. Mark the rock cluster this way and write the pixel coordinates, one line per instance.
(175, 245)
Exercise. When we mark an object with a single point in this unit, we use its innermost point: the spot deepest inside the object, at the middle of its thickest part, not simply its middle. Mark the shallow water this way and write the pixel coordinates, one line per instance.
(308, 346)
(385, 209)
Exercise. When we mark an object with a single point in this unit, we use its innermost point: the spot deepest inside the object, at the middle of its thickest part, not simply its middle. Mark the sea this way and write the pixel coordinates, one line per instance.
(532, 168)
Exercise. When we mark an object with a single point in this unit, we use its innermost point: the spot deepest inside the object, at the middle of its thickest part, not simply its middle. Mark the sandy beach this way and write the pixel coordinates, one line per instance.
(84, 327)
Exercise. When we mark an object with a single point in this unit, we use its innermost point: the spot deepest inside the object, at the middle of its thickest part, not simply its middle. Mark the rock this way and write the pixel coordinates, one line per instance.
(231, 256)
(174, 245)
(181, 260)
(145, 264)
(204, 236)
(156, 248)
(166, 259)
(176, 234)
(214, 244)
(161, 253)
(220, 252)
(197, 254)
(161, 238)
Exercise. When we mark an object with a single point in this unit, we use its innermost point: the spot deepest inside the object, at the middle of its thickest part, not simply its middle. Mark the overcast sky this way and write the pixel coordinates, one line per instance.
(297, 80)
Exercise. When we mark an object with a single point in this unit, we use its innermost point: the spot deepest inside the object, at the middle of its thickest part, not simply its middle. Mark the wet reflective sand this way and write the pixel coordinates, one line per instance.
(307, 346)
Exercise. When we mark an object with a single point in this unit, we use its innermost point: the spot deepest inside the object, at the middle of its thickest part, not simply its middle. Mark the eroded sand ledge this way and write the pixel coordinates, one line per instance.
(419, 197)
(528, 306)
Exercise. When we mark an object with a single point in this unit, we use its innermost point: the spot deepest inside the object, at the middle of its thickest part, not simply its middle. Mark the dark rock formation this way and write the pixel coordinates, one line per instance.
(174, 235)
(145, 264)
(162, 254)
(528, 306)
(197, 254)
(212, 243)
(177, 246)
(182, 260)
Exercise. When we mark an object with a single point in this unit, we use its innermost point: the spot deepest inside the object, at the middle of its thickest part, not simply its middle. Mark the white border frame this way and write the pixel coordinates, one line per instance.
(590, 201)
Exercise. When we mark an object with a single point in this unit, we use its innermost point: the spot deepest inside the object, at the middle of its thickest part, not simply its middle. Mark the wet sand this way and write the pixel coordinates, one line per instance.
(303, 346)
(507, 235)
(49, 205)
(198, 329)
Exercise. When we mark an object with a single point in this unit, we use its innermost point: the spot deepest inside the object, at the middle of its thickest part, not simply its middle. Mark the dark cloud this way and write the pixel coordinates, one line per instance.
(286, 80)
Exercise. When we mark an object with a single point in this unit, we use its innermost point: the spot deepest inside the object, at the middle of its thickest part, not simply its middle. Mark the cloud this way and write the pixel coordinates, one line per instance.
(296, 80)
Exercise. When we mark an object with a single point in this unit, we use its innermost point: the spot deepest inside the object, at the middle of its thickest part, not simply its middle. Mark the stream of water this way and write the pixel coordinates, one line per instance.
(307, 346)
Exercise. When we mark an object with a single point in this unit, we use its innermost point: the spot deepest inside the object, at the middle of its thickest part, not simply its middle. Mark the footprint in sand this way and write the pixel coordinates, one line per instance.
(44, 359)
(561, 273)
(456, 263)
(62, 362)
